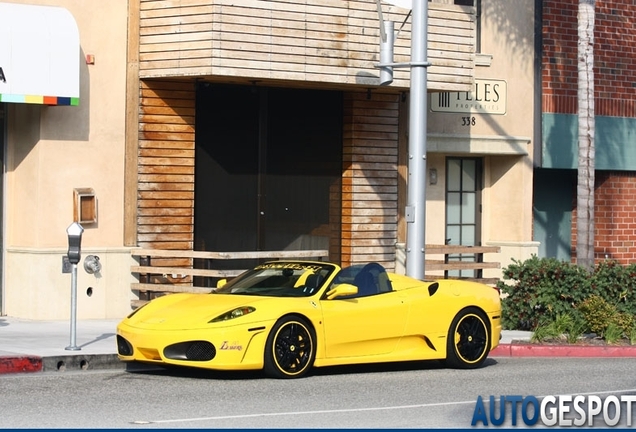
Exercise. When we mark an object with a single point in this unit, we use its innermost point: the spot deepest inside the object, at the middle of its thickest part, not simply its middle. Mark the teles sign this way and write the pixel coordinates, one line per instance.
(487, 97)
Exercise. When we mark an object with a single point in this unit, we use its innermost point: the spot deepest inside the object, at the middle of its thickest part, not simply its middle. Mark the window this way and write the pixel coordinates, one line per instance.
(477, 5)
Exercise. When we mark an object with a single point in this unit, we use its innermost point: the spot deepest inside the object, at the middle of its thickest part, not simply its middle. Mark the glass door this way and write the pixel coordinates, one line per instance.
(463, 209)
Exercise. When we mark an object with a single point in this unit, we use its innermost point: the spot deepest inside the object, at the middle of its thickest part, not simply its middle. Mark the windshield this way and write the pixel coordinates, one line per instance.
(280, 279)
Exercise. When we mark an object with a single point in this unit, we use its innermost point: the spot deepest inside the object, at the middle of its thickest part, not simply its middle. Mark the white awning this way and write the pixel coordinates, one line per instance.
(39, 55)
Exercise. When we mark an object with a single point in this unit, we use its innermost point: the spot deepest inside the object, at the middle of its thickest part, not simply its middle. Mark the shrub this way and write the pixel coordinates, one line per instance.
(568, 326)
(616, 284)
(598, 313)
(632, 336)
(625, 322)
(613, 333)
(546, 287)
(543, 288)
(577, 328)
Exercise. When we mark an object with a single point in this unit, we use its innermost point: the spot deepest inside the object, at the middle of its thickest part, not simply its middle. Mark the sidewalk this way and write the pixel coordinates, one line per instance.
(37, 346)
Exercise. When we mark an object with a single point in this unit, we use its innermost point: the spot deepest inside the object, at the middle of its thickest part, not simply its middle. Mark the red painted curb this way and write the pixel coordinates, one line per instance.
(534, 350)
(502, 350)
(20, 364)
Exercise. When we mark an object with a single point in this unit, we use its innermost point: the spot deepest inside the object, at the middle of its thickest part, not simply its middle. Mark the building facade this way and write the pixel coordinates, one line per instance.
(50, 150)
(615, 132)
(241, 126)
(491, 131)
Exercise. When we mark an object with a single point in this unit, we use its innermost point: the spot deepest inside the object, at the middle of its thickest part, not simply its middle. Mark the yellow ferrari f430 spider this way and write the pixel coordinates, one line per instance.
(286, 317)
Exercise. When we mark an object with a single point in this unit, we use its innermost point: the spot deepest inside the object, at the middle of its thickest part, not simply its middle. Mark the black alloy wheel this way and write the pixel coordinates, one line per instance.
(291, 348)
(468, 339)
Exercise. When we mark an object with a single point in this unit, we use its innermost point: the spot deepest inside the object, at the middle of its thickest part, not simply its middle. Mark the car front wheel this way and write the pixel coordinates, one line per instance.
(468, 340)
(291, 348)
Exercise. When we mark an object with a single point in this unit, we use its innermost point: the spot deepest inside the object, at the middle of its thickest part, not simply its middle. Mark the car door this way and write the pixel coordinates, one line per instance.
(364, 326)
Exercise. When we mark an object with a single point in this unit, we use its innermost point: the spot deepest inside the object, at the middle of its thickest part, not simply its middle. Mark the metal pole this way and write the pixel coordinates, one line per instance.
(416, 205)
(73, 346)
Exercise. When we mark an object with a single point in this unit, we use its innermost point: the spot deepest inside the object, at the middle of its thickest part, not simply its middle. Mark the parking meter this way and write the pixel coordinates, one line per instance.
(74, 232)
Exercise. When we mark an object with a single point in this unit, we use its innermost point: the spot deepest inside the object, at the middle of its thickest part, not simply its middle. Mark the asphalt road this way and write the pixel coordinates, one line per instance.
(415, 395)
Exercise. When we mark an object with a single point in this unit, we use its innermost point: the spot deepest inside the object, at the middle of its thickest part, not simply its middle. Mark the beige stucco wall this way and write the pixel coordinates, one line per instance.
(50, 151)
(40, 291)
(504, 141)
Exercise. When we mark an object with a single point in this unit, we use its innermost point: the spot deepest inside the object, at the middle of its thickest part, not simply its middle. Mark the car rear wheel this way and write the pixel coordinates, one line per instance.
(468, 340)
(291, 348)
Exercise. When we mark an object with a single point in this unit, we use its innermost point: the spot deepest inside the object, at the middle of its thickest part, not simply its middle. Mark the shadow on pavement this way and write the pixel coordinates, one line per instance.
(195, 373)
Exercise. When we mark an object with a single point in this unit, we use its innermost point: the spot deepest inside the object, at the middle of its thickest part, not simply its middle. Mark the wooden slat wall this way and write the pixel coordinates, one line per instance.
(451, 47)
(335, 221)
(330, 41)
(166, 167)
(370, 178)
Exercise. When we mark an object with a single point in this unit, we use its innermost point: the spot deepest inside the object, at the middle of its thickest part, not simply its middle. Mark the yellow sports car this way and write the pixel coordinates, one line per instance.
(286, 317)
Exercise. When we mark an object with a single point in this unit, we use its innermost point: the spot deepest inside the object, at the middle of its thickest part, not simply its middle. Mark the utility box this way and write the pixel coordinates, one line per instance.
(84, 206)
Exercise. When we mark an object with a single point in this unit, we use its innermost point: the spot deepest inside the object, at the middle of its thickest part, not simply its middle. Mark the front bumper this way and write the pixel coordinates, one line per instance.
(224, 348)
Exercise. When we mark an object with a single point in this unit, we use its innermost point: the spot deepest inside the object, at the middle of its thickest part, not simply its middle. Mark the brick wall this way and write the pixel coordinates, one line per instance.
(614, 216)
(614, 57)
(615, 95)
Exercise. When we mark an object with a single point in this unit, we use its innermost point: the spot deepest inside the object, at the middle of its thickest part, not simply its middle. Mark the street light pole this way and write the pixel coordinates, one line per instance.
(73, 337)
(416, 192)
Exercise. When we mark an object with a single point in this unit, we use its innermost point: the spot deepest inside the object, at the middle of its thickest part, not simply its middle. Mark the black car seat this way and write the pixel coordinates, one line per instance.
(372, 279)
(366, 283)
(312, 283)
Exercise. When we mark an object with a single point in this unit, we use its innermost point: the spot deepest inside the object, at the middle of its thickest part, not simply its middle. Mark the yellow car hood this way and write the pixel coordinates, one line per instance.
(191, 311)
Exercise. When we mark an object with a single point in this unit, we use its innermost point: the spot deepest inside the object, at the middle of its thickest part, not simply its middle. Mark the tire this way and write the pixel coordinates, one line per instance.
(468, 339)
(290, 349)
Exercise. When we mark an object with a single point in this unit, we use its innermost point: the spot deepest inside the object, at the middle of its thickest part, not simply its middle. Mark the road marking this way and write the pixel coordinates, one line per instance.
(294, 413)
(349, 410)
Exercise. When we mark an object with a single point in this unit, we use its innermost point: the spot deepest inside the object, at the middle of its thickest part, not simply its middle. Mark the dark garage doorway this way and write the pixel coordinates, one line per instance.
(268, 168)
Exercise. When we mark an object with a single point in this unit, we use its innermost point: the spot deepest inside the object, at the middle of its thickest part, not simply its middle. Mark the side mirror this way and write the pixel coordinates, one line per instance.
(342, 290)
(221, 282)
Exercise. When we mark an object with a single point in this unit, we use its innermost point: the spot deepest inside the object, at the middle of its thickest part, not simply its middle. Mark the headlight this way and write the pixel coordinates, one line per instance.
(238, 312)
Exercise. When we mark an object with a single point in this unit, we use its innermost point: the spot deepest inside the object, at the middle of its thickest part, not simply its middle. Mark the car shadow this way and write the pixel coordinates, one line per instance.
(196, 373)
(190, 372)
(388, 367)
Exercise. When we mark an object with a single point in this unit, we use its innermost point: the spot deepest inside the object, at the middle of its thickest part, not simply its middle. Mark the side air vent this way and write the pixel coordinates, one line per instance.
(429, 343)
(432, 288)
(124, 347)
(192, 350)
